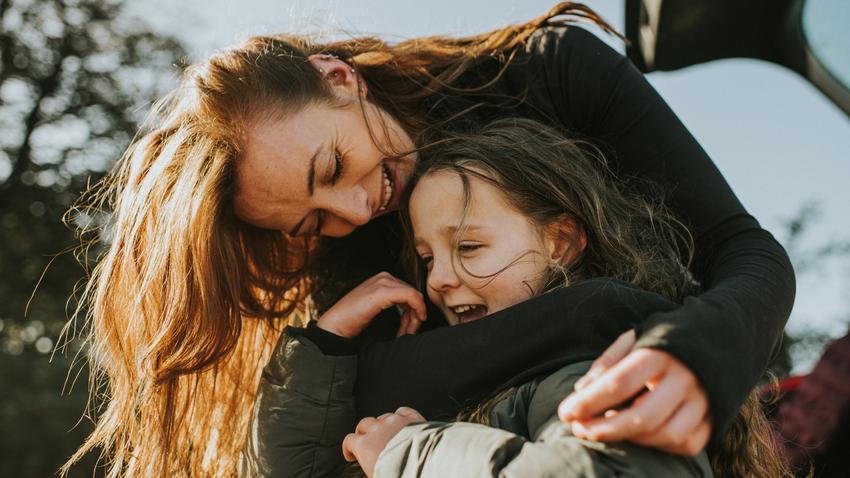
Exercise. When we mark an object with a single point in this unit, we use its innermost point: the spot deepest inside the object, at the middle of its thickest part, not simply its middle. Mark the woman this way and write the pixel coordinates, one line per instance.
(285, 135)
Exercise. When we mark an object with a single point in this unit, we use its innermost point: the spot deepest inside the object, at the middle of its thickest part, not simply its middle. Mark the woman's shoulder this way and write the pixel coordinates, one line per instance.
(560, 39)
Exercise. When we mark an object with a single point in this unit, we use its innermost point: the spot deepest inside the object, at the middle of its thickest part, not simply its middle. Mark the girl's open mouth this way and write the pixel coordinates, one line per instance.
(468, 313)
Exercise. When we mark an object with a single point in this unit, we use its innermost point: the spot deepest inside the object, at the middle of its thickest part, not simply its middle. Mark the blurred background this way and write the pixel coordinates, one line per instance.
(78, 75)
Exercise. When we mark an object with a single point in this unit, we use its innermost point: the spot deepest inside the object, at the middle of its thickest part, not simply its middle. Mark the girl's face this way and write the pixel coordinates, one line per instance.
(500, 258)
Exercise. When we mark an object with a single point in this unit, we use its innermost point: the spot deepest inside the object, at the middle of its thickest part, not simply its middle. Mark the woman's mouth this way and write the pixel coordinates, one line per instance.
(387, 187)
(469, 312)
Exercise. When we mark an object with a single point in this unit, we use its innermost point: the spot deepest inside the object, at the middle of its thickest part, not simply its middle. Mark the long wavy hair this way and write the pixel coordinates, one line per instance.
(183, 308)
(631, 236)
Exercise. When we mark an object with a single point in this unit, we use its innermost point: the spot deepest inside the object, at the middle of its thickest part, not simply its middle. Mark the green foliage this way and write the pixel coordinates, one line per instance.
(77, 77)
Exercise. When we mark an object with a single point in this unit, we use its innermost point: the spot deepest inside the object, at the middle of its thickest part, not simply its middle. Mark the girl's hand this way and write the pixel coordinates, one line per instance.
(670, 412)
(372, 435)
(348, 317)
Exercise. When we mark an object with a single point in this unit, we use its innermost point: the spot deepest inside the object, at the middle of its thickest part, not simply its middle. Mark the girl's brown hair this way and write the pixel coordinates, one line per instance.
(184, 307)
(545, 177)
(630, 236)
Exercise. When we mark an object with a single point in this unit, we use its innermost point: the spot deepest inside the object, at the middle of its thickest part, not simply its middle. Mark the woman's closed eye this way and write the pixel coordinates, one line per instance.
(338, 167)
(321, 215)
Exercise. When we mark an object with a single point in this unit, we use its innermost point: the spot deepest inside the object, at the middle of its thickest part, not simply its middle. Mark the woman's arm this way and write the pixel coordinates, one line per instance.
(726, 335)
(533, 443)
(304, 409)
(440, 371)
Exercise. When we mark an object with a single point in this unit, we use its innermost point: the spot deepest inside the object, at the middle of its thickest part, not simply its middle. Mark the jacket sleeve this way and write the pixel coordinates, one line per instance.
(304, 408)
(728, 334)
(444, 450)
(538, 445)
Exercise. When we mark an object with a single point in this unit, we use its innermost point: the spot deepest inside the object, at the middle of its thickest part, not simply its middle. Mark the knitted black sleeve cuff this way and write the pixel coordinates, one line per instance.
(328, 342)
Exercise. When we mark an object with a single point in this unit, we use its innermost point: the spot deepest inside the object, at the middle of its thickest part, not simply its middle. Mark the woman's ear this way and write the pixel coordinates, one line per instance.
(342, 78)
(565, 240)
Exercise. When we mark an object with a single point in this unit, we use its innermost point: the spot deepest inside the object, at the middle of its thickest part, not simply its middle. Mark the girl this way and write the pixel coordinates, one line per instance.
(497, 217)
(217, 205)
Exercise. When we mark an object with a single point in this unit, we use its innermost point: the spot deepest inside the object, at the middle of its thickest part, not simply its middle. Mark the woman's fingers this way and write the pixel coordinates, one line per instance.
(613, 354)
(686, 432)
(616, 385)
(646, 414)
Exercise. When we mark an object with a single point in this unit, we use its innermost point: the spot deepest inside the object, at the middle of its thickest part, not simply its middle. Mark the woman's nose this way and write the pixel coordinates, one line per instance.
(442, 275)
(346, 212)
(353, 207)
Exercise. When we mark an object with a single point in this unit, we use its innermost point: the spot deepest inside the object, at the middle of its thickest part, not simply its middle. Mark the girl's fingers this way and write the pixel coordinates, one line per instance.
(349, 445)
(616, 385)
(365, 425)
(411, 413)
(414, 324)
(405, 296)
(404, 324)
(613, 354)
(646, 414)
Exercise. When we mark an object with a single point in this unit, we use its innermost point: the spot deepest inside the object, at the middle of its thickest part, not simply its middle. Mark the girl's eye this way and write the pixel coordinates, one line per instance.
(426, 260)
(337, 168)
(468, 247)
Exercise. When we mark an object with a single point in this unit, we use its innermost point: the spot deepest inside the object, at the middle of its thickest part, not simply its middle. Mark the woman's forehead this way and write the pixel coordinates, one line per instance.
(272, 173)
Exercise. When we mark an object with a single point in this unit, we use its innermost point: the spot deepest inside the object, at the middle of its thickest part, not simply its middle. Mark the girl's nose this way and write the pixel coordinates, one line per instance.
(442, 275)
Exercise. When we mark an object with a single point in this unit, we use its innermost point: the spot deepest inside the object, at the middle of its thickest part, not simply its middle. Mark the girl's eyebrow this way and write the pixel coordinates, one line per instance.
(466, 227)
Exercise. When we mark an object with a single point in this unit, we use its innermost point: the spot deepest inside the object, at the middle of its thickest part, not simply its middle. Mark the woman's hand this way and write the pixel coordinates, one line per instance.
(372, 435)
(348, 317)
(670, 411)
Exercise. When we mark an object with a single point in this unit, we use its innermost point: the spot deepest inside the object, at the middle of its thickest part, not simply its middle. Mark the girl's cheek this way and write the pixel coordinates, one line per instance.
(435, 297)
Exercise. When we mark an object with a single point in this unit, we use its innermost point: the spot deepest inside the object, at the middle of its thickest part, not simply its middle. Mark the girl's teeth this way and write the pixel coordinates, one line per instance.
(463, 308)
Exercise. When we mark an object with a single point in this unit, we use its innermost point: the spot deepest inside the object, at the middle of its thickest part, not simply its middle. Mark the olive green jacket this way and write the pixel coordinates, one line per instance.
(305, 407)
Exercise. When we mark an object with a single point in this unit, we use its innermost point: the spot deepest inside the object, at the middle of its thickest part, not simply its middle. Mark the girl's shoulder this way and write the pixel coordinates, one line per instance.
(534, 402)
(549, 392)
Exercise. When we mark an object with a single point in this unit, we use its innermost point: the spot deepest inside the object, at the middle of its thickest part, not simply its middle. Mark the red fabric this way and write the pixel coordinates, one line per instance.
(813, 419)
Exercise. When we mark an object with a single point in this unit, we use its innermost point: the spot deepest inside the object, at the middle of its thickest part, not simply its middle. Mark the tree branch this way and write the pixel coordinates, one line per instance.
(47, 87)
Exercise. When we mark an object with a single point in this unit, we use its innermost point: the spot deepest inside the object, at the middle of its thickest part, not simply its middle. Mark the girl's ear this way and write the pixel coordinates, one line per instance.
(565, 240)
(340, 75)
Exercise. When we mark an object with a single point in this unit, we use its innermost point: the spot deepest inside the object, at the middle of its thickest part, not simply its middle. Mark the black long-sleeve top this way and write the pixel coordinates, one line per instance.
(570, 79)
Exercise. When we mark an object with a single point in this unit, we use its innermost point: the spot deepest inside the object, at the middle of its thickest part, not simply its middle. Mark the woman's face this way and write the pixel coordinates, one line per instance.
(499, 245)
(318, 171)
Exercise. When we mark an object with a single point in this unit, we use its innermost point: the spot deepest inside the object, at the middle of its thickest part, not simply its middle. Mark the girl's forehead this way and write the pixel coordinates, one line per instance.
(439, 201)
(447, 187)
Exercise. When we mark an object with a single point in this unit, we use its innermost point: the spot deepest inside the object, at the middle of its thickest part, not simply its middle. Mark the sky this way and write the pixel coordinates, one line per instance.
(778, 141)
